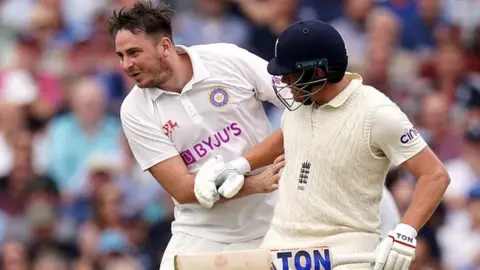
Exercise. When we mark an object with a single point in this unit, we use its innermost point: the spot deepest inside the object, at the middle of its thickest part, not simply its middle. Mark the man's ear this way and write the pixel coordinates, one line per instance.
(165, 46)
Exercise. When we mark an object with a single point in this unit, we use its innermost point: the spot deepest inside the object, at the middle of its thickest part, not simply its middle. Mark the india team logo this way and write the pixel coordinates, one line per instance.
(219, 97)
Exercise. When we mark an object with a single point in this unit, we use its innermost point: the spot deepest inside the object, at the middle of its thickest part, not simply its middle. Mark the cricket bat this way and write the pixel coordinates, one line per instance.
(314, 258)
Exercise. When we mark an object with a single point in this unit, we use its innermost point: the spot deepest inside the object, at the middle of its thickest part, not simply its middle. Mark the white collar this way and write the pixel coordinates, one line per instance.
(200, 73)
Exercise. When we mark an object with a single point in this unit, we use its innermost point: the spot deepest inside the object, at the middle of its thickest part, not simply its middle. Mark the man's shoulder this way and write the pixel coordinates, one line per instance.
(134, 100)
(220, 54)
(216, 49)
(224, 58)
(374, 98)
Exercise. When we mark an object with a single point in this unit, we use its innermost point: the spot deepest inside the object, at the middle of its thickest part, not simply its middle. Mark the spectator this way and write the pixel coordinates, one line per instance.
(268, 20)
(461, 241)
(419, 34)
(210, 23)
(122, 264)
(464, 172)
(436, 123)
(405, 9)
(13, 256)
(88, 129)
(325, 10)
(50, 261)
(385, 65)
(473, 105)
(353, 28)
(45, 231)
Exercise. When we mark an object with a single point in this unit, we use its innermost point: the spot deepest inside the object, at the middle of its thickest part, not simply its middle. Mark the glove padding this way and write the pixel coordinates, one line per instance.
(397, 250)
(235, 171)
(215, 173)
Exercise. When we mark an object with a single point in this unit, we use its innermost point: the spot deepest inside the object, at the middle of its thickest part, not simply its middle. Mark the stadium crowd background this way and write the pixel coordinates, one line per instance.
(73, 197)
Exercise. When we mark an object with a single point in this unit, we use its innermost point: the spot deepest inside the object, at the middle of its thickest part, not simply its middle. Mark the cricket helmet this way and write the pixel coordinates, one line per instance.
(302, 48)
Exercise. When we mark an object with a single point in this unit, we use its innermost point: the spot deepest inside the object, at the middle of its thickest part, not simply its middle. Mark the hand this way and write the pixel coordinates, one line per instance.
(205, 186)
(397, 250)
(233, 177)
(216, 173)
(267, 181)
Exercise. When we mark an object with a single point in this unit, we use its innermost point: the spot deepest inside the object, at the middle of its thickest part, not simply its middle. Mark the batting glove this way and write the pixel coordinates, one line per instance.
(397, 250)
(234, 175)
(205, 188)
(215, 173)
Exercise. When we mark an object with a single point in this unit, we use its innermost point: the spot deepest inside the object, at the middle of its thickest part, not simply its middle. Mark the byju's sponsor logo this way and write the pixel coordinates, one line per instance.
(409, 135)
(216, 140)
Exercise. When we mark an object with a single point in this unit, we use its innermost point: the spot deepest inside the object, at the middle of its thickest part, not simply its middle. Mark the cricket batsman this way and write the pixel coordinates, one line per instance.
(189, 104)
(339, 137)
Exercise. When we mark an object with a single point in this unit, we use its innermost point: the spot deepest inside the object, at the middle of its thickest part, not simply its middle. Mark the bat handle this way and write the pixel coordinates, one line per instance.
(341, 259)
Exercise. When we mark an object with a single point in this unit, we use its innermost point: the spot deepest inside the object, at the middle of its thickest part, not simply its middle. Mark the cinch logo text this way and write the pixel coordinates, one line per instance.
(201, 149)
(409, 135)
(304, 260)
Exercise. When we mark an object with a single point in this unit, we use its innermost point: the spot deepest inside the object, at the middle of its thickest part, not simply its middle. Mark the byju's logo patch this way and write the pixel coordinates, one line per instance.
(215, 140)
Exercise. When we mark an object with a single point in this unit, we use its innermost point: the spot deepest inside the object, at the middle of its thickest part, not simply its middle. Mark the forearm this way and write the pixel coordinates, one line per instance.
(187, 194)
(426, 197)
(267, 151)
(184, 192)
(250, 187)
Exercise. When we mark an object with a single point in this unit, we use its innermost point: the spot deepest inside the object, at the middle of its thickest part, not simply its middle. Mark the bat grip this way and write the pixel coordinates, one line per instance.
(341, 259)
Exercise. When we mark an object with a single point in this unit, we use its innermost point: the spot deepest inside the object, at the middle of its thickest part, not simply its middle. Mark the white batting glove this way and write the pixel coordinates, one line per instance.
(397, 250)
(234, 177)
(205, 187)
(228, 177)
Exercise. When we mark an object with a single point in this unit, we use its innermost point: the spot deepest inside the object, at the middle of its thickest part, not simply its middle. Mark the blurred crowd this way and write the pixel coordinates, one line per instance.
(73, 197)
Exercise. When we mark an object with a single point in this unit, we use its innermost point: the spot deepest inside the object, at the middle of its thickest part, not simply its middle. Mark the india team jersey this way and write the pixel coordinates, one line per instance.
(338, 155)
(219, 112)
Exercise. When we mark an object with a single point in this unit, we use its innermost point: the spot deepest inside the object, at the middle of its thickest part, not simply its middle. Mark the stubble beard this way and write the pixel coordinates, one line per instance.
(163, 72)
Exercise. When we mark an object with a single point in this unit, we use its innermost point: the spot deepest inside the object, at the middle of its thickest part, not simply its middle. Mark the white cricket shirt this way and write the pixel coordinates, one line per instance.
(219, 112)
(338, 156)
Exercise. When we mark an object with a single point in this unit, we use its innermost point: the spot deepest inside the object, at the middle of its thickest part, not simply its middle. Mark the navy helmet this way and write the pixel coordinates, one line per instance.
(302, 48)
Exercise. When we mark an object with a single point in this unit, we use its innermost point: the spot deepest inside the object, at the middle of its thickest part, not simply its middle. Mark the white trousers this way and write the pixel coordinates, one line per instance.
(185, 243)
(344, 243)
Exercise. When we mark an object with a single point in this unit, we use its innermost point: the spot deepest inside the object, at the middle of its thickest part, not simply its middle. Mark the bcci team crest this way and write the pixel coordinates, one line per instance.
(219, 97)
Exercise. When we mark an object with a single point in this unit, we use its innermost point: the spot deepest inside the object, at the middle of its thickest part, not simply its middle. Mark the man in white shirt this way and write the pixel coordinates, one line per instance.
(340, 137)
(188, 105)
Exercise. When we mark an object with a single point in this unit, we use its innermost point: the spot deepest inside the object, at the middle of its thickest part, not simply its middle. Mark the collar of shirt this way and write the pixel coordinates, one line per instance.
(355, 81)
(200, 72)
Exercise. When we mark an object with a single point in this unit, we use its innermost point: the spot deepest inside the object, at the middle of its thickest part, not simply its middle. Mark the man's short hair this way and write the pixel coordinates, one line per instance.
(143, 16)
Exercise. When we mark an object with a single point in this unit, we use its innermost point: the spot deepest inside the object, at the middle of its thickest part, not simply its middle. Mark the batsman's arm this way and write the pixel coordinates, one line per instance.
(264, 182)
(267, 151)
(432, 181)
(394, 135)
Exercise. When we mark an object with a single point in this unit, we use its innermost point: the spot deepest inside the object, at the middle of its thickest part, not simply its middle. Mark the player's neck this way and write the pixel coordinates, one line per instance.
(182, 73)
(330, 92)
